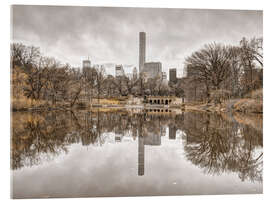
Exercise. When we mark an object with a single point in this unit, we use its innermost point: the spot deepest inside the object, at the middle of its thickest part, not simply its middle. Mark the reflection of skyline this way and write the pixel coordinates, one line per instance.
(148, 136)
(211, 143)
(172, 132)
(140, 156)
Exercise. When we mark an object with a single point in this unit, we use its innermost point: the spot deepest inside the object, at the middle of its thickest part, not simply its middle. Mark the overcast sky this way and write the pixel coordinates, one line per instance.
(111, 35)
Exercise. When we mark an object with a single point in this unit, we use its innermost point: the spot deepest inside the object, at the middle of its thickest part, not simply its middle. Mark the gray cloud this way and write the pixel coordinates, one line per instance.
(110, 35)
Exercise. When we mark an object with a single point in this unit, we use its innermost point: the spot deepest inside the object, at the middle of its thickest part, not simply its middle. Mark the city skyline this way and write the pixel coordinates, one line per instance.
(110, 35)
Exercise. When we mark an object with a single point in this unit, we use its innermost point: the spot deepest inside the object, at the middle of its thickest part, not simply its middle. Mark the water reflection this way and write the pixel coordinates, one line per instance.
(220, 146)
(215, 143)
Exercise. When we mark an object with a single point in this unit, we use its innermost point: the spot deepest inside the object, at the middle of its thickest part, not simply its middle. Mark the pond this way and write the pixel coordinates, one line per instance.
(134, 153)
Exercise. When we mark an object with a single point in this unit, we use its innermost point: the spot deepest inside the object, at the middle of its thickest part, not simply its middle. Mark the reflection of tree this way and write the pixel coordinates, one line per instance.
(218, 146)
(210, 142)
(46, 135)
(36, 136)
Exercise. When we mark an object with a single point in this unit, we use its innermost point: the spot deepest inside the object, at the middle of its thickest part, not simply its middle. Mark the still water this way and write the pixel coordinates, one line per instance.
(131, 153)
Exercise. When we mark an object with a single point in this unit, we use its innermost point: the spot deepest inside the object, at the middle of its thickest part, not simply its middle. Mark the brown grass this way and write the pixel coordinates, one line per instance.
(256, 94)
(25, 103)
(106, 101)
(249, 106)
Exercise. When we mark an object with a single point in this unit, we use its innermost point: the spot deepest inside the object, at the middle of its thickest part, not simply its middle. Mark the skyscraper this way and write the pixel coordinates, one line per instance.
(152, 69)
(86, 63)
(172, 75)
(164, 78)
(119, 71)
(142, 39)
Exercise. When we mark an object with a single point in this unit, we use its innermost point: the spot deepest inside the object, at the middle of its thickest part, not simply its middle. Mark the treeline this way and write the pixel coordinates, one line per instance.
(213, 73)
(219, 71)
(45, 80)
(223, 146)
(41, 78)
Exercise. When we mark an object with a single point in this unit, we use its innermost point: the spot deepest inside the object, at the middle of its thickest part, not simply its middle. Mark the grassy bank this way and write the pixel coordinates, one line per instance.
(251, 103)
(24, 104)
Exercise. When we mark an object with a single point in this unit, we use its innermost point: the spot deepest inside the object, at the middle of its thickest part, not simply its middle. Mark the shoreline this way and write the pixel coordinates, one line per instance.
(228, 106)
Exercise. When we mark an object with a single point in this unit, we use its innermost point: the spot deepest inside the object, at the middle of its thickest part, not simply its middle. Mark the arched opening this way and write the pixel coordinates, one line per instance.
(158, 101)
(150, 101)
(166, 101)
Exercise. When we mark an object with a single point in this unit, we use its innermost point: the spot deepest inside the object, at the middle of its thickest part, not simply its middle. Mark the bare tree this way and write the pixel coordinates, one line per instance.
(89, 75)
(251, 56)
(120, 83)
(131, 84)
(24, 56)
(99, 80)
(211, 65)
(29, 59)
(58, 80)
(252, 50)
(35, 80)
(75, 86)
(110, 86)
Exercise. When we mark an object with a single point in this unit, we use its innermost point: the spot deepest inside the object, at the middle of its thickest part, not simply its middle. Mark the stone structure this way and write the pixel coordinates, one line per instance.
(160, 100)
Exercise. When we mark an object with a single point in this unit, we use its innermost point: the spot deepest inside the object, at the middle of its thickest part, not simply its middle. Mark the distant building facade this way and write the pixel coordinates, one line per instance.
(86, 64)
(135, 73)
(129, 75)
(172, 75)
(152, 69)
(119, 71)
(164, 78)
